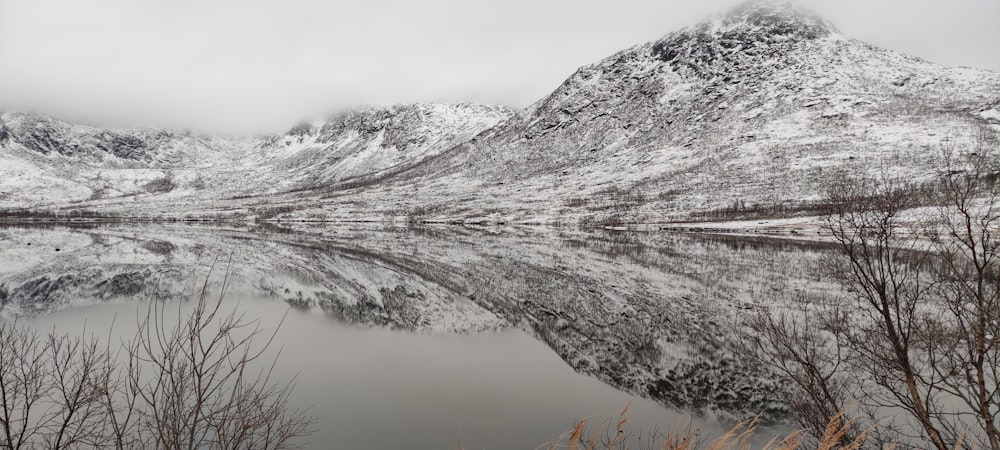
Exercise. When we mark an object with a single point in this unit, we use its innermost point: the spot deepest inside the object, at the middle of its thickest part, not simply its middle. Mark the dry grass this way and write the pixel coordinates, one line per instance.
(682, 437)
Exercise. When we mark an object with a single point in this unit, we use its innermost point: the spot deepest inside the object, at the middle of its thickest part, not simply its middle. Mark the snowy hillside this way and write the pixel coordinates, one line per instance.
(760, 106)
(372, 142)
(49, 165)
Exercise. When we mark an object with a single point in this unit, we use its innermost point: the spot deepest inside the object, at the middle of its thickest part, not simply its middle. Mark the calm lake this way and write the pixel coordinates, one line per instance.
(424, 337)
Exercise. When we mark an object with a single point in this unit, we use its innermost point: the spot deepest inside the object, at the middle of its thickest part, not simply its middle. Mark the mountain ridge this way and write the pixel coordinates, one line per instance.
(761, 105)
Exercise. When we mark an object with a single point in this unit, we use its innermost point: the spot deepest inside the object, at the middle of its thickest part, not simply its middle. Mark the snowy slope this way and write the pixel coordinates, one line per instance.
(760, 106)
(763, 105)
(49, 164)
(372, 141)
(45, 161)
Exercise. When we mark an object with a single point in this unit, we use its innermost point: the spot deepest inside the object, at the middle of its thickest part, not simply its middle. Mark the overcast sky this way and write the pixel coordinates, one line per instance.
(261, 65)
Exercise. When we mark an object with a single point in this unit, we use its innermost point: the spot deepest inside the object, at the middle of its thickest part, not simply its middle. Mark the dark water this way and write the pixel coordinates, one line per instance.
(420, 338)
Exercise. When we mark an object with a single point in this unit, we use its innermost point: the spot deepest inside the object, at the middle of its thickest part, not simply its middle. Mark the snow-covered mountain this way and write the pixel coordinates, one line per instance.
(50, 164)
(749, 101)
(377, 142)
(759, 106)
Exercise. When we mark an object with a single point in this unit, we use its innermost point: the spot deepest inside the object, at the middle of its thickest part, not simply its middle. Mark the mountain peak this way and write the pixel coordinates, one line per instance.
(753, 31)
(777, 17)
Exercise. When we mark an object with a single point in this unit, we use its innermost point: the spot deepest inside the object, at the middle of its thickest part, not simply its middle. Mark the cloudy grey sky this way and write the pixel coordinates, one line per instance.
(261, 65)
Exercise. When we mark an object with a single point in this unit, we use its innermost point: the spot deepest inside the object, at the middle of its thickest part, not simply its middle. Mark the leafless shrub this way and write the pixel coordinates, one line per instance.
(964, 339)
(918, 332)
(202, 381)
(48, 391)
(799, 345)
(618, 199)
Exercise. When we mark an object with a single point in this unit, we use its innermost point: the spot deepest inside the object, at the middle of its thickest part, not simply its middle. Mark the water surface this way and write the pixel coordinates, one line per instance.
(419, 338)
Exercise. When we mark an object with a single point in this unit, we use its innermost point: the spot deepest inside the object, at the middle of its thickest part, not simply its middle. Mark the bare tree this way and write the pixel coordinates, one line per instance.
(917, 331)
(201, 380)
(204, 382)
(966, 339)
(78, 416)
(23, 383)
(884, 270)
(47, 392)
(798, 344)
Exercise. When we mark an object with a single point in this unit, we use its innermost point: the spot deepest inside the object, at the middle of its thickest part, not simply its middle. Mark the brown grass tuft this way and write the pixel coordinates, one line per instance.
(739, 437)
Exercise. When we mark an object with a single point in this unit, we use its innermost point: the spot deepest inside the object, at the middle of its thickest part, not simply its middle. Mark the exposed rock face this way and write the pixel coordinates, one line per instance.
(39, 135)
(125, 146)
(3, 131)
(750, 32)
(48, 136)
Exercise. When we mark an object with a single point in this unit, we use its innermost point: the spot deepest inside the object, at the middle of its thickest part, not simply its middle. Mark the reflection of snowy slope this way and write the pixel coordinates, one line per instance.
(648, 314)
(122, 264)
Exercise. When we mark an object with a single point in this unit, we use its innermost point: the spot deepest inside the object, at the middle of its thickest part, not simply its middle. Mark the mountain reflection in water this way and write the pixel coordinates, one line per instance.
(648, 314)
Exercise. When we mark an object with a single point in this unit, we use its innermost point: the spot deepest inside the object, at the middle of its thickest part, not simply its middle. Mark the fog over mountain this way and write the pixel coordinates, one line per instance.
(759, 209)
(262, 65)
(758, 107)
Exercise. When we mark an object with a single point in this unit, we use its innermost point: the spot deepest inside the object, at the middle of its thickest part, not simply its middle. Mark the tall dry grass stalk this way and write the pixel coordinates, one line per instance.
(682, 437)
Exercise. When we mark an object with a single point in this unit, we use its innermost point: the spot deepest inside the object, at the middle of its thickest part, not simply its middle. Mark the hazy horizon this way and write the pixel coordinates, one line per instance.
(262, 65)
